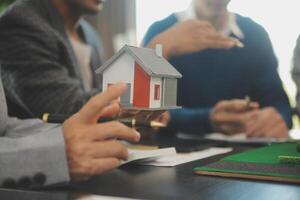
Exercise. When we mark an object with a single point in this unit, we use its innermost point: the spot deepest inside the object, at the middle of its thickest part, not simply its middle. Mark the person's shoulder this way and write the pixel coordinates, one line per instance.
(21, 10)
(249, 25)
(167, 21)
(23, 15)
(23, 22)
(160, 26)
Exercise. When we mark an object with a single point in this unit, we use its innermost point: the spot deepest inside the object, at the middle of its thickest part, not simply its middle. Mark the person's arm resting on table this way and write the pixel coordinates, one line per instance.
(45, 154)
(274, 117)
(32, 154)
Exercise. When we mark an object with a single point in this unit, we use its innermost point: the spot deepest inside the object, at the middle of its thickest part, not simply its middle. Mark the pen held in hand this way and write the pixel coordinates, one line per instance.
(237, 43)
(131, 122)
(250, 105)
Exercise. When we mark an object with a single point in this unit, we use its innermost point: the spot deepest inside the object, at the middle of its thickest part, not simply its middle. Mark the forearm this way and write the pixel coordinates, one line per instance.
(34, 151)
(191, 120)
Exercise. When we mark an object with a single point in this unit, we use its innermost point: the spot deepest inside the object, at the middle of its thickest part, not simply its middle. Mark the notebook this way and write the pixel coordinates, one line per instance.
(259, 164)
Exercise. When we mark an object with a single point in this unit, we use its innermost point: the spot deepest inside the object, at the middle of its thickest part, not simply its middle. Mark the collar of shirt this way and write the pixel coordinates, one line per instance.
(231, 28)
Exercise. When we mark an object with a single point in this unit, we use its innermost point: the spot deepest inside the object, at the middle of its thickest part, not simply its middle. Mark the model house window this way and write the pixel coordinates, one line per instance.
(156, 92)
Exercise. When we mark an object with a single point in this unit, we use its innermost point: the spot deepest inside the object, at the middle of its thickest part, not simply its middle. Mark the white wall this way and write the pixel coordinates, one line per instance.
(155, 103)
(122, 70)
(149, 11)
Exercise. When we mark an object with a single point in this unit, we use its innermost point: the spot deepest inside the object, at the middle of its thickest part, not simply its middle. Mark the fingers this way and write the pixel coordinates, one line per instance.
(219, 44)
(94, 106)
(107, 149)
(263, 123)
(232, 123)
(94, 167)
(268, 124)
(280, 131)
(226, 117)
(110, 111)
(237, 105)
(218, 41)
(103, 165)
(164, 118)
(231, 128)
(113, 130)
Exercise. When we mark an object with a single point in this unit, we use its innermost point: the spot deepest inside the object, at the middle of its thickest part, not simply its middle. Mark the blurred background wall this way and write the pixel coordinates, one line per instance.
(116, 24)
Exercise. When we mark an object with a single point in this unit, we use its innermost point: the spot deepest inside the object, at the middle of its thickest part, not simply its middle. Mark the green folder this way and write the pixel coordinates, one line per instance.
(261, 164)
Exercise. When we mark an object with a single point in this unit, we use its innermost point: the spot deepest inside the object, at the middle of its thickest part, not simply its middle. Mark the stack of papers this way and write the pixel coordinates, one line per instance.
(98, 197)
(167, 157)
(181, 158)
(136, 155)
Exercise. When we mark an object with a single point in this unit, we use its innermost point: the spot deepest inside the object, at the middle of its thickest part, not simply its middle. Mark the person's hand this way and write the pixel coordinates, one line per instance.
(190, 36)
(231, 117)
(268, 123)
(92, 148)
(164, 118)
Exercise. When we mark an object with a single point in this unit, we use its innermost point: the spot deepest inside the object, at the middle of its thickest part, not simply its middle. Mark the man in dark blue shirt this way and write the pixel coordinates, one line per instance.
(217, 75)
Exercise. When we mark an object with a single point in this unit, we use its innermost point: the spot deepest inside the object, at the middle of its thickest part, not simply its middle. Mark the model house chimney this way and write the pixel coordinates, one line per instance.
(159, 50)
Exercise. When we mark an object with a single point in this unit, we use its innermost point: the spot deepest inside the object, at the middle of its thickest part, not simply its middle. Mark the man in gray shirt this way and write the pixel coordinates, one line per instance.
(34, 154)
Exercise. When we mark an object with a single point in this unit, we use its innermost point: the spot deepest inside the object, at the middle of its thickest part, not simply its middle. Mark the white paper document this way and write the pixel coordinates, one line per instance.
(181, 158)
(98, 197)
(241, 138)
(146, 155)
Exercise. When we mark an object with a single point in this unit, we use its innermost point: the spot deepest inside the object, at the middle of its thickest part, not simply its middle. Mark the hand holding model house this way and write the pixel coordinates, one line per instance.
(151, 79)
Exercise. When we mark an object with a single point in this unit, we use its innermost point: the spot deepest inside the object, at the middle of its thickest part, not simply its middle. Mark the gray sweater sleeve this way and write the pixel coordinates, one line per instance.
(32, 154)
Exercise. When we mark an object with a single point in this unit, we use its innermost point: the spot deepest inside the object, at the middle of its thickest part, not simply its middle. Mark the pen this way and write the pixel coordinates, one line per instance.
(289, 160)
(237, 43)
(248, 102)
(131, 122)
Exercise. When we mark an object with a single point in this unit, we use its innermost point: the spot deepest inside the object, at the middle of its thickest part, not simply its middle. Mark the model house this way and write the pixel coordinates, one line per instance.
(151, 79)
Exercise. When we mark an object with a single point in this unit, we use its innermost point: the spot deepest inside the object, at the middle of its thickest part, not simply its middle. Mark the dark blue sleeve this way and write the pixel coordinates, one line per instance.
(267, 87)
(187, 120)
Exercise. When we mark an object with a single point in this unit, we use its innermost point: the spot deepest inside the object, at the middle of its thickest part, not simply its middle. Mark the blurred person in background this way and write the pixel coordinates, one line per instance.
(296, 73)
(217, 75)
(49, 54)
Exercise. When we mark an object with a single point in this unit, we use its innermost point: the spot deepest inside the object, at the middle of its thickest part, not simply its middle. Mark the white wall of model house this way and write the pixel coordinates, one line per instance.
(122, 69)
(155, 103)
